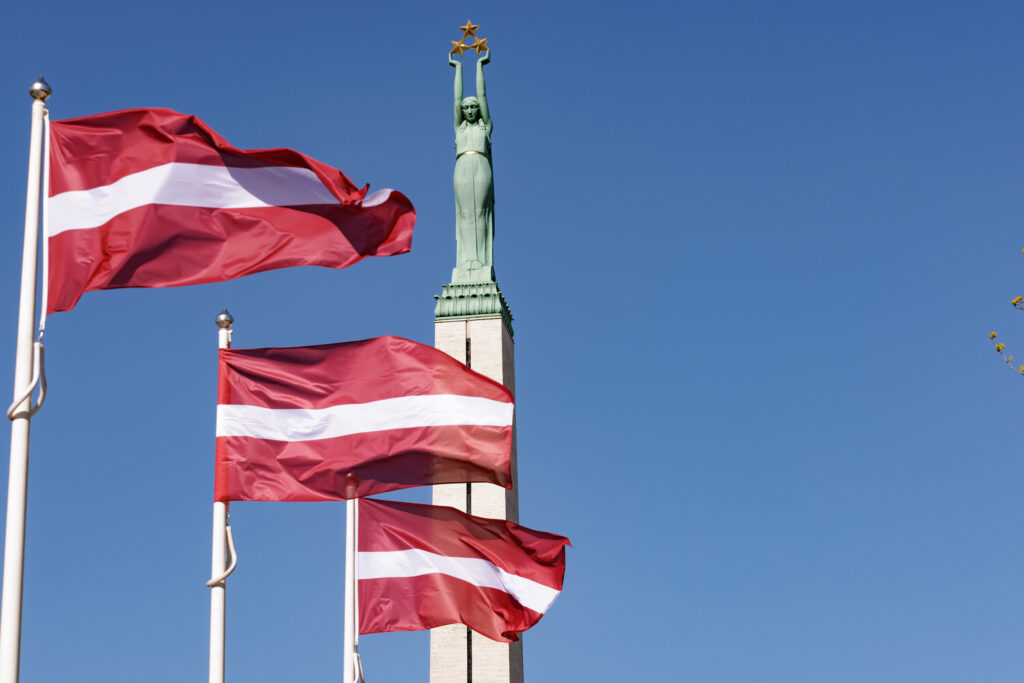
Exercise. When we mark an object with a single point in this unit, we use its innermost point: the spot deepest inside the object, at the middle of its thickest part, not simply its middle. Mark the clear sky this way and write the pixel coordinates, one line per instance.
(753, 249)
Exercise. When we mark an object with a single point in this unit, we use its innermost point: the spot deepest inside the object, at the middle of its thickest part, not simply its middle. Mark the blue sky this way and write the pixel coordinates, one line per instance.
(753, 250)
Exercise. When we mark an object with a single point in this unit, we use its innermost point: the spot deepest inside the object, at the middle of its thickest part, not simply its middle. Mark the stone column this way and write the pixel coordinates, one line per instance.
(484, 343)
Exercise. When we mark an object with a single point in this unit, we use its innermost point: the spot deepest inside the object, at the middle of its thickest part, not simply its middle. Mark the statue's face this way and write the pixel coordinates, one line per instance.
(471, 111)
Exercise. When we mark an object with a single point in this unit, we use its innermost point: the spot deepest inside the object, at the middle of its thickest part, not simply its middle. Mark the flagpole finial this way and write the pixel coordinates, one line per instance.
(40, 90)
(225, 320)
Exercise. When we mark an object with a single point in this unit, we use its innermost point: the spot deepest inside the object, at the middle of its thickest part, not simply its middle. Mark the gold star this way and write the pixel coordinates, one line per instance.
(479, 46)
(469, 29)
(459, 47)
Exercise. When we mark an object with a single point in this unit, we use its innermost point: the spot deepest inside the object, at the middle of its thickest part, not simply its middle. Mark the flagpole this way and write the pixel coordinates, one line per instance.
(218, 564)
(358, 663)
(17, 482)
(348, 662)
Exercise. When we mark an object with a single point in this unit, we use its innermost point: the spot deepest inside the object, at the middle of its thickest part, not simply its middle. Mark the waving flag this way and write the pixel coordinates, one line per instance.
(154, 198)
(421, 566)
(347, 420)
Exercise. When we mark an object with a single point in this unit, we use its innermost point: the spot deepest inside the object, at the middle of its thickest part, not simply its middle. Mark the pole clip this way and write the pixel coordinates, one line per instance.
(219, 580)
(38, 379)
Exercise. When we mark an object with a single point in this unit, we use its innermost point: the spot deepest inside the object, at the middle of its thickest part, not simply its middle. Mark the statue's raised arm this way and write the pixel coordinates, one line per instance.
(481, 90)
(458, 90)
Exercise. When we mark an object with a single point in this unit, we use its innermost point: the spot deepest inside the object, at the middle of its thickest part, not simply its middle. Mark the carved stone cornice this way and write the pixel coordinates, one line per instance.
(472, 300)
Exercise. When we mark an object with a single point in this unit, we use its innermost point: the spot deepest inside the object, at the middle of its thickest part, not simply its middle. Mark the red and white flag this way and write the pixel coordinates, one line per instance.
(347, 420)
(421, 566)
(154, 198)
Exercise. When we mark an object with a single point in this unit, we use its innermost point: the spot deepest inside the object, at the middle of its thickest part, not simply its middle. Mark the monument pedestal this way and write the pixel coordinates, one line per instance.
(483, 341)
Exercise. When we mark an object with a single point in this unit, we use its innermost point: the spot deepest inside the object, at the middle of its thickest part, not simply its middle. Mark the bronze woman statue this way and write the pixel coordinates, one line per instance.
(474, 183)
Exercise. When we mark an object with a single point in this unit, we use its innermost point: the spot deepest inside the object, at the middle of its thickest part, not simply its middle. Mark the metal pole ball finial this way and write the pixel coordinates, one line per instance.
(224, 320)
(40, 90)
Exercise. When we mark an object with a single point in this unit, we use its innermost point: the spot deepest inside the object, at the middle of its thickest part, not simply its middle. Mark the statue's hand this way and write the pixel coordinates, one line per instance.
(486, 58)
(451, 60)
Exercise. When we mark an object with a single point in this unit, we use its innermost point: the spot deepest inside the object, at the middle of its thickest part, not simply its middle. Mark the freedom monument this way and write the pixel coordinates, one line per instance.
(339, 421)
(473, 323)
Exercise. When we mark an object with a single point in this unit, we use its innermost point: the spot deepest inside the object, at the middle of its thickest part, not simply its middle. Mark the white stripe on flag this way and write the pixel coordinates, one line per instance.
(181, 184)
(300, 424)
(375, 198)
(415, 562)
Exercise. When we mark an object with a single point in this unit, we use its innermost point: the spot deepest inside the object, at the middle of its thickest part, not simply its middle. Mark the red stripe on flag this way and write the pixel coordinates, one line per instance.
(166, 246)
(351, 372)
(438, 599)
(92, 151)
(296, 471)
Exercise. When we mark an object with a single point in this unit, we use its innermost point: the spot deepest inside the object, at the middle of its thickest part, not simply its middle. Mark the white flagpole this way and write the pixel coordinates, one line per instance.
(349, 660)
(355, 592)
(218, 564)
(17, 483)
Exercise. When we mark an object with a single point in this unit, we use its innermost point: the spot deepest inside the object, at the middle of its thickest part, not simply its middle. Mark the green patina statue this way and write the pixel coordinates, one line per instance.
(474, 183)
(473, 291)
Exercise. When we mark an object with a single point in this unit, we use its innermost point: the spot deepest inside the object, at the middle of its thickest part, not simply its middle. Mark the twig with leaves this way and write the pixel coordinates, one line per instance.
(1018, 303)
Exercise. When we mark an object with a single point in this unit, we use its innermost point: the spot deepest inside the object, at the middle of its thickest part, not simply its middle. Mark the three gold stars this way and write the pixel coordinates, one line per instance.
(469, 31)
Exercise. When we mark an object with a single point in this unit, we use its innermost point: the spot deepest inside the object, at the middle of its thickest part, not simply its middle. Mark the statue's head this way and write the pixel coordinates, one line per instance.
(470, 109)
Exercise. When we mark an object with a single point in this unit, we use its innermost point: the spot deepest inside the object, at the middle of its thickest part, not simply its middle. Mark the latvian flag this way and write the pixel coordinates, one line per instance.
(154, 198)
(347, 420)
(421, 566)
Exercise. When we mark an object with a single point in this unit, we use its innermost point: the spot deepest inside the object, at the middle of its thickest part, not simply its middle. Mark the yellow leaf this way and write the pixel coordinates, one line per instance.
(991, 335)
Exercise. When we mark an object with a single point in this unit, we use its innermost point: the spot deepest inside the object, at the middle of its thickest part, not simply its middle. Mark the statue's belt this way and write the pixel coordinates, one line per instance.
(470, 151)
